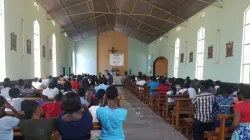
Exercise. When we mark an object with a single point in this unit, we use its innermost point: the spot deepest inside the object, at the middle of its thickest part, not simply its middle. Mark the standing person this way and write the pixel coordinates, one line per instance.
(110, 79)
(74, 124)
(153, 85)
(5, 90)
(7, 123)
(203, 107)
(222, 103)
(34, 127)
(241, 122)
(112, 117)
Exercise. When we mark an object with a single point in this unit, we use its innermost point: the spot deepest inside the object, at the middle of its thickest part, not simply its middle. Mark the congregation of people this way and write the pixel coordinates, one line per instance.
(209, 98)
(68, 105)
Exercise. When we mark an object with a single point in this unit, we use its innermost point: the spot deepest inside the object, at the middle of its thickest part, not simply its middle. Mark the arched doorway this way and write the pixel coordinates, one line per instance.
(160, 66)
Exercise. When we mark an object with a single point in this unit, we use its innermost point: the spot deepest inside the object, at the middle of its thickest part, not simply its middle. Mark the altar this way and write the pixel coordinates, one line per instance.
(118, 80)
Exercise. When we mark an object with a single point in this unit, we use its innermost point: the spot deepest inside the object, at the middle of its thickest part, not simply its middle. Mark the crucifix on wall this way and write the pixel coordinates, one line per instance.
(113, 50)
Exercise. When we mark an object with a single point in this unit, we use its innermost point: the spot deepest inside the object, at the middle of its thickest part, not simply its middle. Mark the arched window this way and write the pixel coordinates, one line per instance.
(37, 57)
(54, 65)
(2, 42)
(200, 54)
(74, 62)
(246, 48)
(176, 61)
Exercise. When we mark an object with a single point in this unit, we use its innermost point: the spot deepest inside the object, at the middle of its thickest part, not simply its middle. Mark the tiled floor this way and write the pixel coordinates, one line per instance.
(143, 124)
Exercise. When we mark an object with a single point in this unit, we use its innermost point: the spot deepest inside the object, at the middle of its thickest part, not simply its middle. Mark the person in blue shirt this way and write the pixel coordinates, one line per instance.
(112, 117)
(101, 85)
(153, 85)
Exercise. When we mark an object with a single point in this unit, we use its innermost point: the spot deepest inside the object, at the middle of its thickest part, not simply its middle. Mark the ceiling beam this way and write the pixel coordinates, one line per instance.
(70, 18)
(208, 3)
(163, 10)
(67, 7)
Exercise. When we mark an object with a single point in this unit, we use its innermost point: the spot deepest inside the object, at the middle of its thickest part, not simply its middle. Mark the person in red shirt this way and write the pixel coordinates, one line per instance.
(241, 122)
(163, 87)
(75, 84)
(53, 110)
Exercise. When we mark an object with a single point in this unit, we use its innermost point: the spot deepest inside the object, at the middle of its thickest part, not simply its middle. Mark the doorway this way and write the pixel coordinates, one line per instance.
(160, 66)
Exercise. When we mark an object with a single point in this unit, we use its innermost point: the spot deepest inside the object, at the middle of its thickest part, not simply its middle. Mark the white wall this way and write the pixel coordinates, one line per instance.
(19, 64)
(86, 56)
(229, 20)
(138, 56)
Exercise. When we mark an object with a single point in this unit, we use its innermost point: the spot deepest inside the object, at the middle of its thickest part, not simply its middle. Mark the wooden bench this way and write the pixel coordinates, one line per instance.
(183, 107)
(221, 132)
(188, 128)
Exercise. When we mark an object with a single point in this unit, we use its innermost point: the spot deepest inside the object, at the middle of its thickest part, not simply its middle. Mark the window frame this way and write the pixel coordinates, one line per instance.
(200, 51)
(176, 57)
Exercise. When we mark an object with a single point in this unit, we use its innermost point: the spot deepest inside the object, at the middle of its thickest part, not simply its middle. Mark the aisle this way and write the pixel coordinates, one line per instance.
(143, 124)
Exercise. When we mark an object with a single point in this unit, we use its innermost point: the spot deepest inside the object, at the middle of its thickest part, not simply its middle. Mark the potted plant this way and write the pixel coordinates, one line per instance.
(126, 73)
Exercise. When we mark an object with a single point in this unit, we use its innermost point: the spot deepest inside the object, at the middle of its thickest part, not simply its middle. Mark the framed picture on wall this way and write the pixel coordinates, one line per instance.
(28, 46)
(191, 57)
(50, 54)
(229, 49)
(44, 51)
(210, 52)
(13, 41)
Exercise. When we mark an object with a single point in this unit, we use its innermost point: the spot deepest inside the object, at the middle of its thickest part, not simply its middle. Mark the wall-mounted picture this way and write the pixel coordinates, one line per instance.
(229, 49)
(210, 52)
(182, 58)
(44, 51)
(28, 46)
(50, 54)
(13, 41)
(191, 57)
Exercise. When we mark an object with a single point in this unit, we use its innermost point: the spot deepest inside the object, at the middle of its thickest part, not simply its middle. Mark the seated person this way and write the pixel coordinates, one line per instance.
(217, 85)
(6, 87)
(82, 93)
(153, 85)
(28, 91)
(75, 84)
(53, 110)
(34, 127)
(90, 96)
(190, 91)
(97, 104)
(241, 122)
(101, 85)
(141, 81)
(20, 85)
(37, 83)
(173, 91)
(7, 123)
(67, 85)
(181, 89)
(162, 87)
(74, 124)
(51, 91)
(15, 99)
(44, 100)
(112, 117)
(222, 103)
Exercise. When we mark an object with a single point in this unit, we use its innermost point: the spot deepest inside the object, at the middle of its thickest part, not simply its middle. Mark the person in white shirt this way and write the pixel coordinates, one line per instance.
(15, 99)
(46, 81)
(37, 83)
(51, 91)
(95, 106)
(5, 90)
(141, 82)
(190, 91)
(7, 123)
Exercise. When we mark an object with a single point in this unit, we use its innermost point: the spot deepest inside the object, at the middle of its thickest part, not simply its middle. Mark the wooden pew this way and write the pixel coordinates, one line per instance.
(97, 126)
(183, 107)
(221, 132)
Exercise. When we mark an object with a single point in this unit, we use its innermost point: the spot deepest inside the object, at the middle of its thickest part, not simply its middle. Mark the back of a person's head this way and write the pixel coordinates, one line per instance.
(28, 84)
(186, 85)
(188, 78)
(209, 83)
(51, 85)
(20, 81)
(217, 82)
(154, 78)
(82, 92)
(58, 97)
(50, 77)
(44, 98)
(14, 93)
(202, 85)
(29, 107)
(163, 82)
(36, 79)
(71, 103)
(225, 89)
(100, 93)
(245, 92)
(2, 103)
(101, 81)
(6, 82)
(111, 93)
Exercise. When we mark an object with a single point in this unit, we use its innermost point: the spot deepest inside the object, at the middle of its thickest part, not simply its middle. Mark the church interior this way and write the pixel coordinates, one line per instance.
(140, 69)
